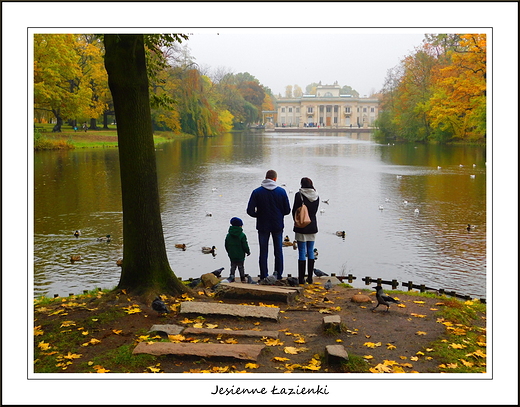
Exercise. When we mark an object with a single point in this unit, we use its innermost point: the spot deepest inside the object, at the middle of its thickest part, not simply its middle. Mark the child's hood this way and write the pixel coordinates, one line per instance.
(235, 230)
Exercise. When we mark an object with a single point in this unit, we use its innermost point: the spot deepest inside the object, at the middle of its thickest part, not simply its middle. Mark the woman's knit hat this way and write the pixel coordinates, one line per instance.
(236, 222)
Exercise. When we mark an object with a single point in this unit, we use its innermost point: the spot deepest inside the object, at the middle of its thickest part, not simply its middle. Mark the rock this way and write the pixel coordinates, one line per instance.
(336, 354)
(204, 350)
(257, 292)
(231, 332)
(170, 329)
(234, 310)
(360, 298)
(209, 280)
(332, 323)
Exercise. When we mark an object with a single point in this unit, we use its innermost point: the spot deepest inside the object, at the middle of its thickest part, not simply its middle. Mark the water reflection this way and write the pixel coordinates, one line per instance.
(81, 190)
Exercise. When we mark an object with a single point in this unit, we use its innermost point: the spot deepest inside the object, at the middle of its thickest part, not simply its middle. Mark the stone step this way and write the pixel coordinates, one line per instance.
(234, 310)
(257, 292)
(205, 350)
(230, 332)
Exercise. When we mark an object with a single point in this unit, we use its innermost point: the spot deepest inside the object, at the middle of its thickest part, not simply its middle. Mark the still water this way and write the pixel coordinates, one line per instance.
(80, 189)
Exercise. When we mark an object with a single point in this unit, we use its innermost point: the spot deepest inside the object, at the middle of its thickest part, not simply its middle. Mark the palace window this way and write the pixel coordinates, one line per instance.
(297, 110)
(364, 109)
(347, 109)
(321, 109)
(335, 109)
(328, 109)
(310, 110)
(372, 109)
(290, 110)
(283, 109)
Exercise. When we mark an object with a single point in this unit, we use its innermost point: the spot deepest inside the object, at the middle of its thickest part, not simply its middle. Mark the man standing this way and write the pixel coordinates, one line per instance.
(269, 204)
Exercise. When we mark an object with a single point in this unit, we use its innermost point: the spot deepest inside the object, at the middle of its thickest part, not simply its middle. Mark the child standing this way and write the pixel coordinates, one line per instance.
(237, 248)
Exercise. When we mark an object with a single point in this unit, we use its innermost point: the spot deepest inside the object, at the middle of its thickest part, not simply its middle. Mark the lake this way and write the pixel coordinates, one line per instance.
(80, 189)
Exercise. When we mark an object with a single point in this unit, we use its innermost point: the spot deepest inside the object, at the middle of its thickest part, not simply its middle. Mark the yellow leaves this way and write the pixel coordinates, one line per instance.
(299, 340)
(419, 302)
(155, 369)
(84, 333)
(231, 341)
(401, 305)
(414, 358)
(456, 331)
(368, 357)
(117, 331)
(381, 368)
(389, 346)
(417, 315)
(198, 325)
(101, 369)
(325, 311)
(186, 297)
(176, 338)
(271, 341)
(211, 326)
(251, 366)
(478, 354)
(314, 364)
(67, 323)
(390, 366)
(294, 351)
(132, 309)
(339, 340)
(256, 323)
(279, 359)
(71, 356)
(93, 341)
(372, 344)
(37, 330)
(420, 333)
(466, 363)
(457, 346)
(267, 305)
(44, 346)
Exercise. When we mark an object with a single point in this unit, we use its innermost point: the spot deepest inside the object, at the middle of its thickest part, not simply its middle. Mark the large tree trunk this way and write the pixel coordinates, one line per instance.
(145, 270)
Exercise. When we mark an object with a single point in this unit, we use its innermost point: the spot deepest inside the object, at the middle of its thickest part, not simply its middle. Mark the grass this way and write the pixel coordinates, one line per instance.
(67, 139)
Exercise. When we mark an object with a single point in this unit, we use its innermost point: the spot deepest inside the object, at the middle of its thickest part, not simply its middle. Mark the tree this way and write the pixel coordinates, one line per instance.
(57, 77)
(145, 269)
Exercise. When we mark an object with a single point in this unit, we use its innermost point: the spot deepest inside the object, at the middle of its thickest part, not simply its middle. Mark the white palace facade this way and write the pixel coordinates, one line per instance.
(327, 109)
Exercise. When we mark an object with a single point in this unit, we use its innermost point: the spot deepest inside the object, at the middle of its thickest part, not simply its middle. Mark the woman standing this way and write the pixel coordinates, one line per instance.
(307, 235)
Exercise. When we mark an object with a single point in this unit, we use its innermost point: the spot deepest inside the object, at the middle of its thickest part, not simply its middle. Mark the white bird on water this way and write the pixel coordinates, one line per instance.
(381, 207)
(416, 210)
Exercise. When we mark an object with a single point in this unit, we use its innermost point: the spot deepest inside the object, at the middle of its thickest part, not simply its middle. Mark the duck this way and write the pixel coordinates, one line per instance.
(405, 202)
(75, 257)
(288, 244)
(469, 227)
(416, 210)
(77, 233)
(180, 246)
(399, 176)
(439, 167)
(209, 214)
(315, 252)
(104, 238)
(322, 210)
(213, 189)
(340, 233)
(286, 239)
(208, 250)
(119, 262)
(381, 207)
(472, 176)
(326, 201)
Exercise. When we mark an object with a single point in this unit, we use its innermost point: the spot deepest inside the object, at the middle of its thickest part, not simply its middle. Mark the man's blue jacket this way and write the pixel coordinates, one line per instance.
(269, 204)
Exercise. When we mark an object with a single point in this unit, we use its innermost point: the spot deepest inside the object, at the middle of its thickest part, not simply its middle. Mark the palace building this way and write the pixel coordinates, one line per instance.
(327, 109)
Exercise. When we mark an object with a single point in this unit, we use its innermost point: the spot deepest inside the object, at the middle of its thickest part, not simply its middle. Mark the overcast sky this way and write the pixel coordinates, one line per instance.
(282, 57)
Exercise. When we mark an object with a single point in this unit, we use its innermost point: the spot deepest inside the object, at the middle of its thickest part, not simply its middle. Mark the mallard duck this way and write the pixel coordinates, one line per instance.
(77, 233)
(288, 244)
(75, 257)
(180, 246)
(208, 250)
(315, 252)
(469, 227)
(119, 262)
(209, 214)
(340, 233)
(104, 238)
(286, 239)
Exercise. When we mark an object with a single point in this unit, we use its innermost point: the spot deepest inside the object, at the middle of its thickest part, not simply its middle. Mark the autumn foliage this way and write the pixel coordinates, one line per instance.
(438, 93)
